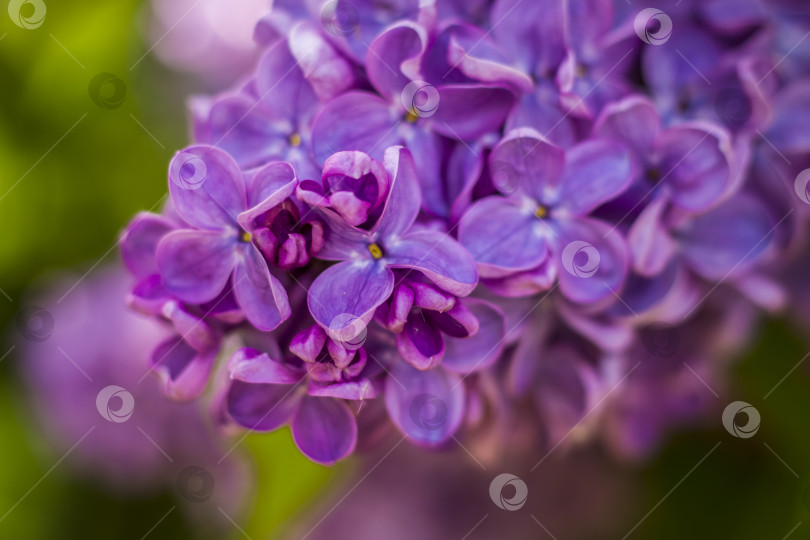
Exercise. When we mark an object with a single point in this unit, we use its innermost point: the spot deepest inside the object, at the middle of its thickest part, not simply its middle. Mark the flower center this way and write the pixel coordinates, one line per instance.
(653, 175)
(295, 140)
(246, 237)
(411, 117)
(375, 251)
(541, 212)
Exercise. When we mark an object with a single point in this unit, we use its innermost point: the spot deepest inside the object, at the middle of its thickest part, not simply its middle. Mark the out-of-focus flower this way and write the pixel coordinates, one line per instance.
(101, 408)
(540, 228)
(210, 38)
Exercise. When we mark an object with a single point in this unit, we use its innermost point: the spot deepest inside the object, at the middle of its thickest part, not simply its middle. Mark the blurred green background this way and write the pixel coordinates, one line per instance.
(73, 173)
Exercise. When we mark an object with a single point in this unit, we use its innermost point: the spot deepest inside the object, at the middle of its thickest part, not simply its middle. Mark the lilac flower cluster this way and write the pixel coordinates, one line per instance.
(455, 209)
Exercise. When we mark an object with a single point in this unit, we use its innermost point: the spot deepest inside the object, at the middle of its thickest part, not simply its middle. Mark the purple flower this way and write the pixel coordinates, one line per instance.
(355, 287)
(269, 119)
(689, 164)
(725, 243)
(598, 57)
(408, 110)
(541, 231)
(265, 393)
(353, 185)
(428, 322)
(196, 264)
(427, 401)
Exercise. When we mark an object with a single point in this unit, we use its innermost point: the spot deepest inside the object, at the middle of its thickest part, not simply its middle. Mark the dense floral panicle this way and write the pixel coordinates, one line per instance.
(454, 207)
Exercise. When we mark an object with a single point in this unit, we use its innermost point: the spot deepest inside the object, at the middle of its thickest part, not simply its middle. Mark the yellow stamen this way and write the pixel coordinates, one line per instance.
(375, 251)
(541, 212)
(295, 140)
(246, 237)
(411, 117)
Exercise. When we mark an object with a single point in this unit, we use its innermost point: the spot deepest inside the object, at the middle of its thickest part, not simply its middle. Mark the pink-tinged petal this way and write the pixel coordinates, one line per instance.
(526, 163)
(596, 171)
(324, 372)
(436, 255)
(238, 125)
(348, 291)
(529, 354)
(696, 164)
(404, 196)
(353, 184)
(388, 56)
(467, 112)
(592, 259)
(401, 303)
(340, 355)
(293, 252)
(196, 265)
(149, 295)
(336, 128)
(651, 245)
(607, 333)
(528, 283)
(207, 187)
(259, 293)
(420, 343)
(359, 365)
(429, 297)
(308, 343)
(479, 351)
(329, 73)
(324, 429)
(727, 240)
(427, 406)
(351, 208)
(503, 237)
(565, 392)
(354, 390)
(252, 366)
(268, 187)
(760, 95)
(633, 121)
(224, 307)
(356, 165)
(183, 371)
(764, 292)
(262, 407)
(139, 243)
(458, 322)
(195, 331)
(486, 70)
